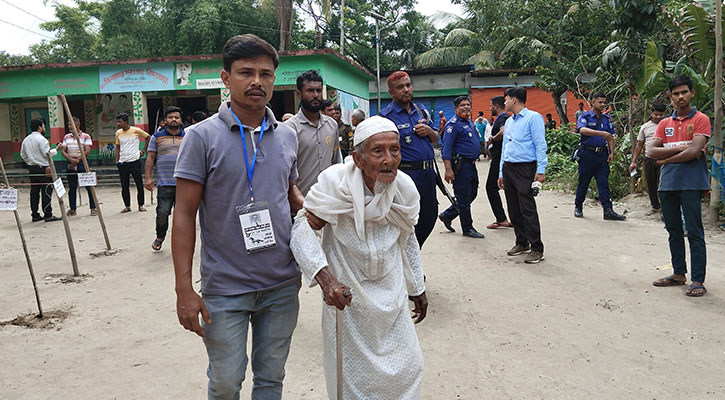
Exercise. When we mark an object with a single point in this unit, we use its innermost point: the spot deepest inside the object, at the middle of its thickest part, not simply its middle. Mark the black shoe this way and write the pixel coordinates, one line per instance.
(52, 218)
(446, 222)
(37, 218)
(610, 215)
(472, 233)
(578, 212)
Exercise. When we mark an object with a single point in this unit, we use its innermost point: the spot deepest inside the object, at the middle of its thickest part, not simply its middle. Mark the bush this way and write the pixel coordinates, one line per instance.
(562, 173)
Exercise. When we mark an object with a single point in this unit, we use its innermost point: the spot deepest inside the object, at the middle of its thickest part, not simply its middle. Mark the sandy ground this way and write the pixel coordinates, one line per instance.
(584, 324)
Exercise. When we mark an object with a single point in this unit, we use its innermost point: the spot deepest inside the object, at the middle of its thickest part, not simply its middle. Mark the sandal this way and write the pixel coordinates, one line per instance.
(126, 210)
(156, 245)
(496, 225)
(668, 281)
(696, 291)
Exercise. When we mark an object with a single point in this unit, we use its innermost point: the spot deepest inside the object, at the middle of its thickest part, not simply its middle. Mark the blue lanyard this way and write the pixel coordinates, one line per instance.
(250, 170)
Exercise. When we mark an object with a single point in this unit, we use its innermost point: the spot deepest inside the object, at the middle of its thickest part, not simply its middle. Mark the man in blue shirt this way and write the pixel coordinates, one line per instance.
(460, 152)
(481, 126)
(416, 147)
(522, 171)
(597, 151)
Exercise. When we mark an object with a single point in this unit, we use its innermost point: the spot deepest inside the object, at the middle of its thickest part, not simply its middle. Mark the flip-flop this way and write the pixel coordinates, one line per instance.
(668, 281)
(156, 245)
(691, 292)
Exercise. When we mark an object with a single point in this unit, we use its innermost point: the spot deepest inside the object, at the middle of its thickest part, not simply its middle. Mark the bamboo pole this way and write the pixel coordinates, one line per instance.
(74, 128)
(25, 246)
(66, 225)
(717, 128)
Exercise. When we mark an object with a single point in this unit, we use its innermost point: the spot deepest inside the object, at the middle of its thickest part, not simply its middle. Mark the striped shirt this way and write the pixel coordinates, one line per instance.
(166, 147)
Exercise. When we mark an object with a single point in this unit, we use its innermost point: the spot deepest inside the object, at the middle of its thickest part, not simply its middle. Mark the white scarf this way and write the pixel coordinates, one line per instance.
(340, 190)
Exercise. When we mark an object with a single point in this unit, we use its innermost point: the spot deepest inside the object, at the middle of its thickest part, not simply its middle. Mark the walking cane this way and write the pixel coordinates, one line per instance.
(338, 342)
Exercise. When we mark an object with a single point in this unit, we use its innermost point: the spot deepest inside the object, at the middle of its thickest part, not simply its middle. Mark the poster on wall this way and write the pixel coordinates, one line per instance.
(108, 106)
(36, 113)
(198, 75)
(349, 103)
(135, 78)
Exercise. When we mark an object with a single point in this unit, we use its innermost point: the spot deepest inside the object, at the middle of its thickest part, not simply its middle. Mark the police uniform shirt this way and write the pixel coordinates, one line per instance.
(412, 146)
(589, 119)
(460, 138)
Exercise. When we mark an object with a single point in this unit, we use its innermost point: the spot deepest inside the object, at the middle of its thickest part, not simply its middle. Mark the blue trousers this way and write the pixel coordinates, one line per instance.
(465, 187)
(592, 164)
(273, 316)
(689, 201)
(425, 182)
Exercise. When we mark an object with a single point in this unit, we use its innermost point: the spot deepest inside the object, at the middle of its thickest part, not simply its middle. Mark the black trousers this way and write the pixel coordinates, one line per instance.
(40, 186)
(126, 170)
(492, 188)
(166, 198)
(652, 176)
(517, 179)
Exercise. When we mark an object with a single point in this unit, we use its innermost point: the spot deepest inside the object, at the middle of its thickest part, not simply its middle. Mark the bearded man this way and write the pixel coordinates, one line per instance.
(318, 146)
(368, 211)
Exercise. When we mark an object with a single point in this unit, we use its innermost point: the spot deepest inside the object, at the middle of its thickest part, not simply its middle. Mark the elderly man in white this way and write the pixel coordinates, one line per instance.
(367, 213)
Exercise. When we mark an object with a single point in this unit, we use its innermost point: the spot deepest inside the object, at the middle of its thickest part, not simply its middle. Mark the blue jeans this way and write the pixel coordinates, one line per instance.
(689, 201)
(465, 187)
(273, 316)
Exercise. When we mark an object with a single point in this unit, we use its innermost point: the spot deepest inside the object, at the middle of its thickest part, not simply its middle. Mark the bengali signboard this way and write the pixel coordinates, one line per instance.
(8, 199)
(134, 78)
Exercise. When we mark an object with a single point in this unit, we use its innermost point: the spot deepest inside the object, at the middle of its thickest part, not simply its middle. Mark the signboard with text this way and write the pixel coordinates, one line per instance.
(8, 199)
(132, 78)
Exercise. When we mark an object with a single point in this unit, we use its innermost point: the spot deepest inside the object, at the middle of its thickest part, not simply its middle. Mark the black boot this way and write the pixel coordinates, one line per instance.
(609, 214)
(578, 212)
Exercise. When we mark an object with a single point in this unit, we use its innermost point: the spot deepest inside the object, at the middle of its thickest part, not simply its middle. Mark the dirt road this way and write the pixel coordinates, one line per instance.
(584, 324)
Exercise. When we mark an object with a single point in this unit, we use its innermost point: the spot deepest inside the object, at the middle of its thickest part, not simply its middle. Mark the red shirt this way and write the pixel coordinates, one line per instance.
(677, 130)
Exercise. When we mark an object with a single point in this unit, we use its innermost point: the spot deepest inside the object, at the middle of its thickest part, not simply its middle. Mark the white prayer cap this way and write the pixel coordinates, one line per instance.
(371, 126)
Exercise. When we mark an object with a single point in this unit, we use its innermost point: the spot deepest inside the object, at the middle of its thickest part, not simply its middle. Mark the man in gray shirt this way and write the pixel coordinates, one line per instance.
(318, 143)
(238, 168)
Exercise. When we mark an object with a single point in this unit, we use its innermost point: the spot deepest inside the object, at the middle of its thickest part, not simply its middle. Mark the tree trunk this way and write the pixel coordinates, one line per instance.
(560, 111)
(632, 136)
(284, 20)
(717, 123)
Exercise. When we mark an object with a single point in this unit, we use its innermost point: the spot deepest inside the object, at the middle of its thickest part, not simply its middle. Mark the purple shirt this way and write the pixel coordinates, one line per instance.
(212, 155)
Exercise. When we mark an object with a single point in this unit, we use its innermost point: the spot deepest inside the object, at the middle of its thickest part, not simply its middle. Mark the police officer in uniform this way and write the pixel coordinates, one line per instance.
(460, 153)
(597, 151)
(416, 147)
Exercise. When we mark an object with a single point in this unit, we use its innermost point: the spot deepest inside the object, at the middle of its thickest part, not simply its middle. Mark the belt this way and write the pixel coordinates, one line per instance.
(426, 164)
(596, 149)
(469, 160)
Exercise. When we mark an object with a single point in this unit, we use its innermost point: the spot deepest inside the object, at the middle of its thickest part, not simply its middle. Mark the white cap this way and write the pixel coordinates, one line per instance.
(371, 126)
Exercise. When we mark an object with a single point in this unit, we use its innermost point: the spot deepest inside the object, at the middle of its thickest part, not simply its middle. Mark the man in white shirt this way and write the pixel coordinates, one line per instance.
(33, 151)
(368, 265)
(645, 139)
(72, 153)
(128, 159)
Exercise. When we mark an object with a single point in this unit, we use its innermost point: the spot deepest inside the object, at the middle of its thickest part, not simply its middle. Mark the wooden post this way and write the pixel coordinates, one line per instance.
(717, 123)
(74, 128)
(25, 247)
(338, 342)
(66, 225)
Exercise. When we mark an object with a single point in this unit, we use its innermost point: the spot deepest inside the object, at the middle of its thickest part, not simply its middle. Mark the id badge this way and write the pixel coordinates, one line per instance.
(257, 228)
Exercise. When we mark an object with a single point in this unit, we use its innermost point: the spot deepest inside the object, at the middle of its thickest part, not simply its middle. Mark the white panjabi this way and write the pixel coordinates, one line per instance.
(372, 126)
(369, 245)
